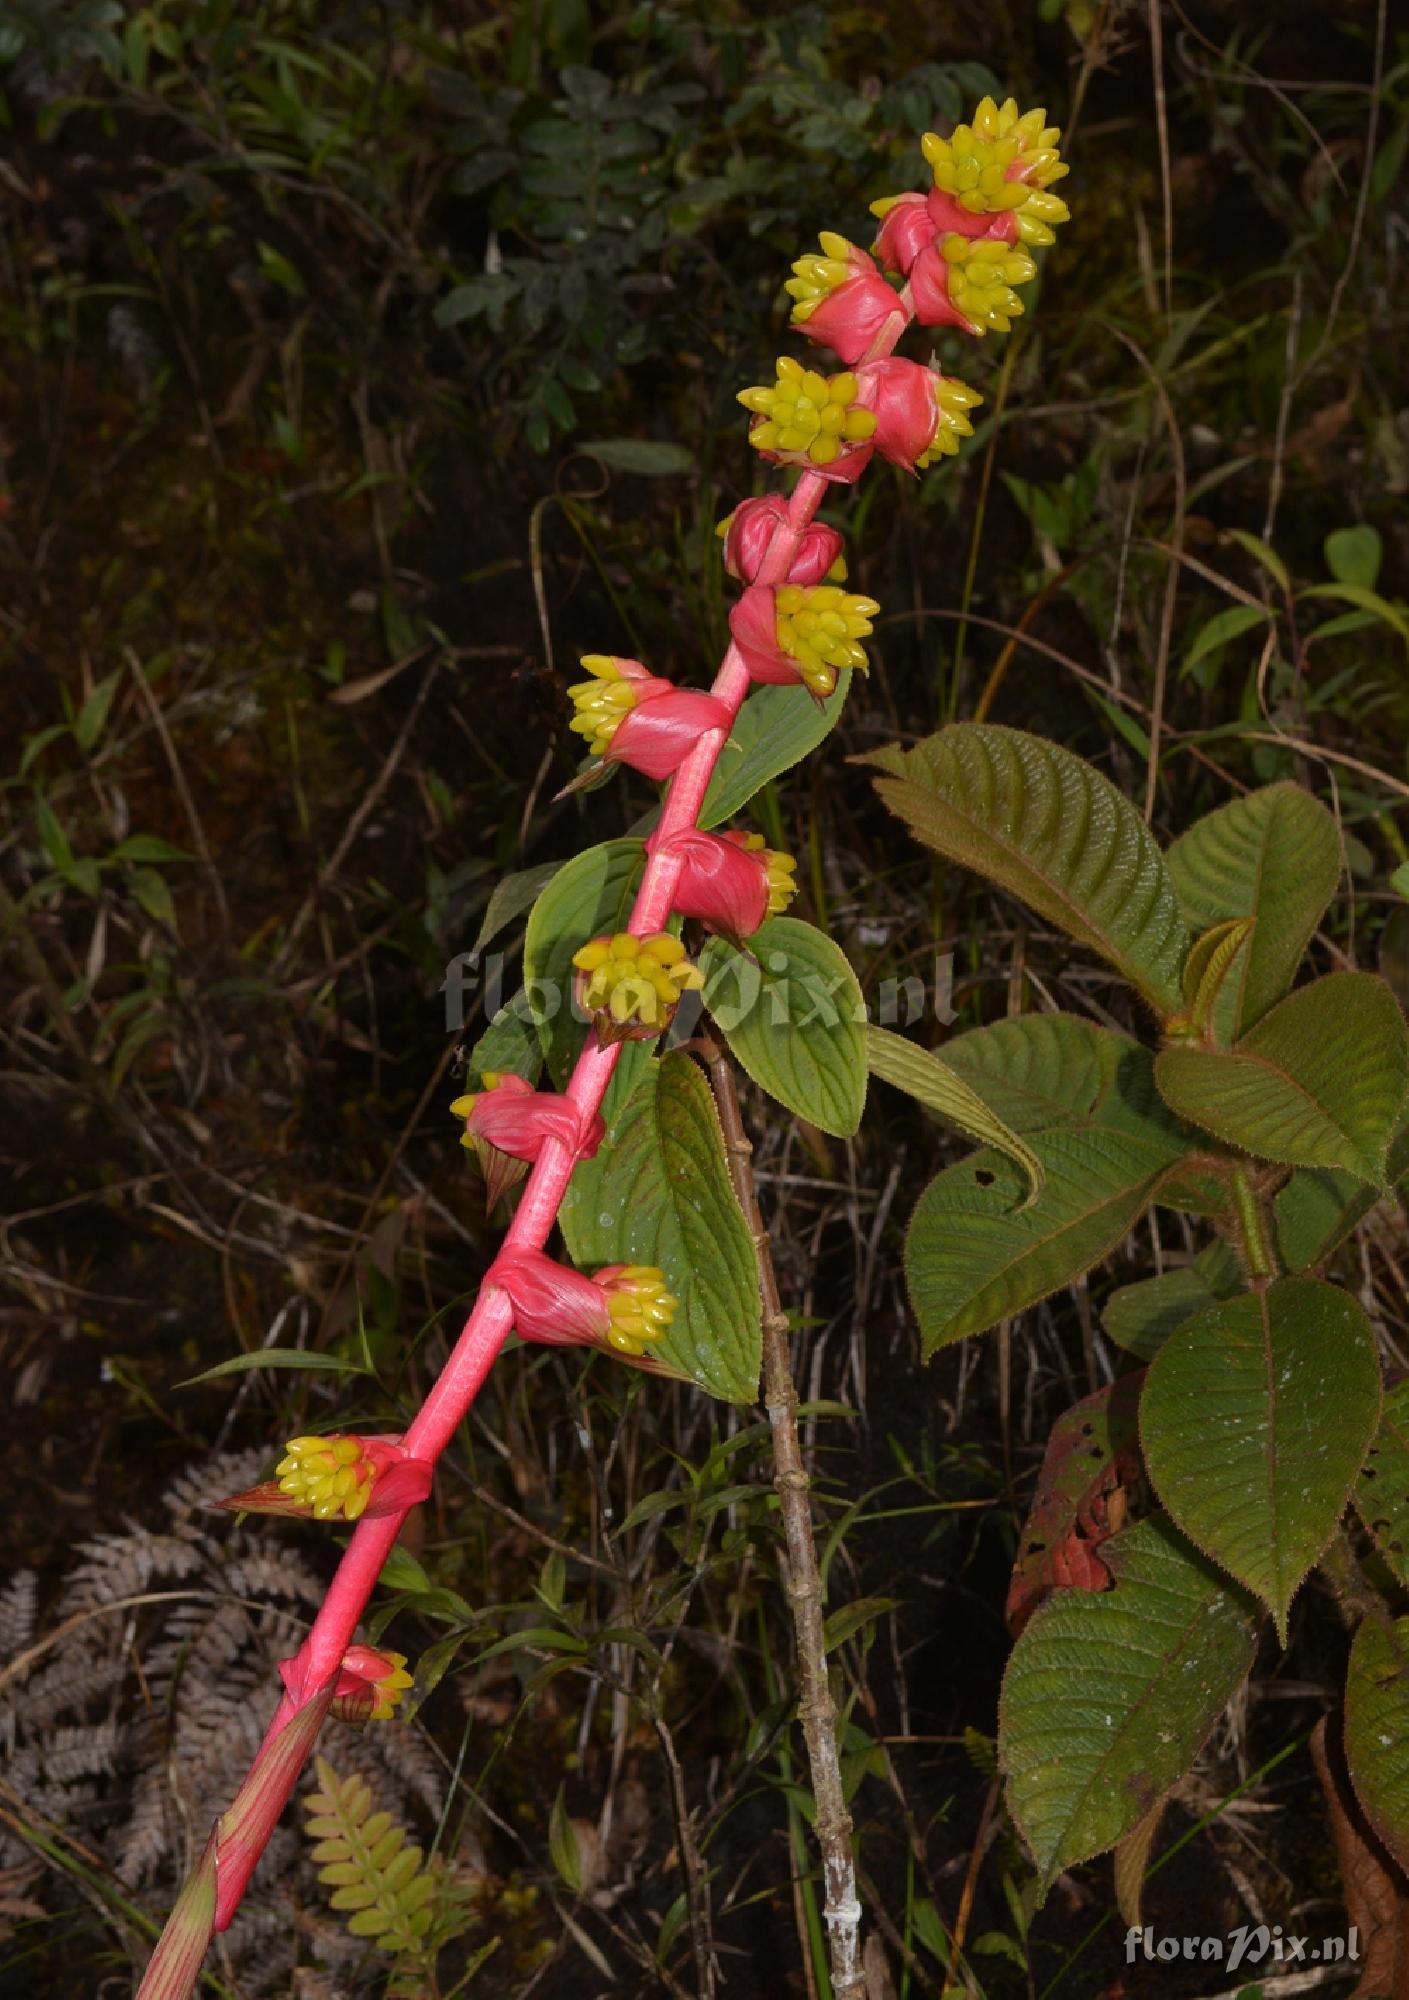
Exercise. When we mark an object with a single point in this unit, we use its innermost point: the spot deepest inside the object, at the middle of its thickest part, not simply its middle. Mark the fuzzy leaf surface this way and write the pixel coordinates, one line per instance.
(1053, 832)
(791, 1010)
(1083, 1099)
(1109, 1695)
(1320, 1206)
(1382, 1491)
(1276, 856)
(1255, 1421)
(1377, 1729)
(939, 1087)
(658, 1192)
(1141, 1317)
(1319, 1082)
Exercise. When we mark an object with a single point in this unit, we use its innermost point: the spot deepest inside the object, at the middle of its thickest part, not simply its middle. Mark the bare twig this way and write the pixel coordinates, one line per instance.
(817, 1712)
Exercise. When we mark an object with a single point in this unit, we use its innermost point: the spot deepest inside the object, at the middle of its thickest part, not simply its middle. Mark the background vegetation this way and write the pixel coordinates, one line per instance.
(366, 363)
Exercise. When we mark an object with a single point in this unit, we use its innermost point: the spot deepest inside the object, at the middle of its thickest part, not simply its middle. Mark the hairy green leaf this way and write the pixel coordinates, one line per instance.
(1083, 1099)
(974, 1255)
(775, 729)
(1320, 1206)
(932, 1082)
(791, 1010)
(1382, 1491)
(1141, 1317)
(1275, 856)
(588, 897)
(1109, 1695)
(1377, 1729)
(1256, 1418)
(658, 1192)
(1319, 1082)
(1212, 962)
(1038, 1071)
(508, 1043)
(1052, 831)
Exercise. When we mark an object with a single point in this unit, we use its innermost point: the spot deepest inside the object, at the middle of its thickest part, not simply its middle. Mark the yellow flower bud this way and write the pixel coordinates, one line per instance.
(818, 628)
(632, 985)
(806, 415)
(639, 1306)
(330, 1474)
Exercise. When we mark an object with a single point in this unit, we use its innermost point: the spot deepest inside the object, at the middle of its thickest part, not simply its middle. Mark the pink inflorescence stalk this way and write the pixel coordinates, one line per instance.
(957, 250)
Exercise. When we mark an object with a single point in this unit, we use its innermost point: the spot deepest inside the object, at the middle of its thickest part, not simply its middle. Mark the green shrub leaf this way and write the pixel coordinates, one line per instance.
(1276, 856)
(658, 1192)
(1052, 831)
(932, 1082)
(1109, 1695)
(1084, 1101)
(775, 729)
(1256, 1418)
(791, 1010)
(975, 1255)
(1382, 1491)
(1319, 1082)
(1141, 1317)
(589, 896)
(1377, 1729)
(1038, 1071)
(1320, 1206)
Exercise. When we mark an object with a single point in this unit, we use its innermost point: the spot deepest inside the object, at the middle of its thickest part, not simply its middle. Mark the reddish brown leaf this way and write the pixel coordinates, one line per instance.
(1376, 1890)
(1093, 1458)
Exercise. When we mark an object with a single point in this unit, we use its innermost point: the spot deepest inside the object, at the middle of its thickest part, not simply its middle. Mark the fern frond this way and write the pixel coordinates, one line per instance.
(364, 1858)
(17, 1608)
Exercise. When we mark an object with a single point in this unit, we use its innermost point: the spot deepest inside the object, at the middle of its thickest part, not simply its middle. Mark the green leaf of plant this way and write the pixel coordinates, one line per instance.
(1365, 600)
(1223, 627)
(508, 1043)
(652, 460)
(974, 1255)
(589, 896)
(1084, 1099)
(513, 894)
(1319, 1082)
(151, 890)
(1037, 1071)
(932, 1082)
(563, 1849)
(1109, 1695)
(92, 718)
(1052, 831)
(658, 1192)
(1256, 1418)
(1261, 553)
(147, 849)
(1320, 1206)
(775, 729)
(277, 1357)
(1353, 555)
(1377, 1729)
(791, 1010)
(1382, 1491)
(1275, 856)
(1141, 1317)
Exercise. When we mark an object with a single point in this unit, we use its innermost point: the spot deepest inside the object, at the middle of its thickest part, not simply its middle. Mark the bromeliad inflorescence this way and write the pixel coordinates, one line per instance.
(957, 256)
